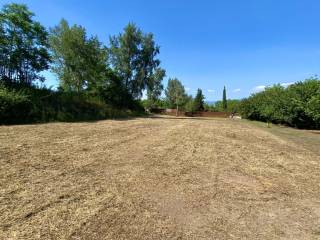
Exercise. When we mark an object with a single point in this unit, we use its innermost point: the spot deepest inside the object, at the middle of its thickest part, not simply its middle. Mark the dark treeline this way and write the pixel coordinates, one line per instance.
(95, 81)
(297, 105)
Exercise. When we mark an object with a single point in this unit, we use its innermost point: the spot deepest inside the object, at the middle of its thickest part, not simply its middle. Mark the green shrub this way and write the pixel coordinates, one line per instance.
(25, 104)
(297, 105)
(15, 106)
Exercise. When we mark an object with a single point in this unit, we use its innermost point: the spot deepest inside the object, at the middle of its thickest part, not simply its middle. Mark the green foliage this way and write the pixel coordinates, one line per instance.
(313, 109)
(89, 88)
(133, 56)
(32, 104)
(160, 103)
(155, 87)
(112, 91)
(198, 102)
(232, 106)
(296, 105)
(269, 105)
(224, 99)
(81, 65)
(23, 52)
(189, 104)
(175, 93)
(209, 107)
(13, 105)
(79, 61)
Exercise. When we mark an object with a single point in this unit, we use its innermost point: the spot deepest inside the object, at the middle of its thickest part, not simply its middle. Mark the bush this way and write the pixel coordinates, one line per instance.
(15, 106)
(297, 105)
(22, 104)
(158, 104)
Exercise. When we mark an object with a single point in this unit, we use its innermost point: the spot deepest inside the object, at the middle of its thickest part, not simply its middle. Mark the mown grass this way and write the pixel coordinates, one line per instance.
(309, 139)
(158, 178)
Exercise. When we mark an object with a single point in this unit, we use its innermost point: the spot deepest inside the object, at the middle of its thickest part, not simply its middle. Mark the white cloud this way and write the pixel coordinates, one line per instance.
(188, 89)
(259, 88)
(286, 84)
(210, 90)
(236, 90)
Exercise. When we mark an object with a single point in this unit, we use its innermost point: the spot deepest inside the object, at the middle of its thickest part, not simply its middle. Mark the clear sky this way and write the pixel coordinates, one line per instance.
(242, 44)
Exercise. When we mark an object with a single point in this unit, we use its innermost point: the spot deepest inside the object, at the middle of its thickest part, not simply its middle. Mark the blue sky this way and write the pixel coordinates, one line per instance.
(244, 45)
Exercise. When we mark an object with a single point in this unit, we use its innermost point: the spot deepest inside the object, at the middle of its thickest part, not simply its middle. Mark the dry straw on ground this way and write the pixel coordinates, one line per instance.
(157, 178)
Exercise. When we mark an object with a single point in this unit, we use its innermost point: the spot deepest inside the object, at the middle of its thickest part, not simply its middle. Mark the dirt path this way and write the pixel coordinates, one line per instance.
(161, 178)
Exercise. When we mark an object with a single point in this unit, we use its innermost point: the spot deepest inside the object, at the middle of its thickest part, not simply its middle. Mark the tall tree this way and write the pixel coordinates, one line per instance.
(175, 93)
(24, 45)
(79, 61)
(134, 57)
(224, 99)
(155, 86)
(199, 101)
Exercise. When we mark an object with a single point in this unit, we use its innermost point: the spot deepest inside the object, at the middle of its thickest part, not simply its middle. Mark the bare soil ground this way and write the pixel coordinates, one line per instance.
(158, 178)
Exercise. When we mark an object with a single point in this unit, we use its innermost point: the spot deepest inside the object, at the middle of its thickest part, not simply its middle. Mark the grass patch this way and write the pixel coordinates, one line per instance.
(310, 139)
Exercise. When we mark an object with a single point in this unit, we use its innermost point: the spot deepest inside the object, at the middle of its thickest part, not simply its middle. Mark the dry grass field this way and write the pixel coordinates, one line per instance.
(159, 178)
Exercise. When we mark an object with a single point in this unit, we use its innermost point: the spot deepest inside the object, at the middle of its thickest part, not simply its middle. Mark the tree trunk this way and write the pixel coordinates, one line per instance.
(177, 110)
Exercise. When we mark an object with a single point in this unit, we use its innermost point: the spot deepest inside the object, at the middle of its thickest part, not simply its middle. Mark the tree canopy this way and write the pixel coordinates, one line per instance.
(198, 101)
(175, 93)
(24, 45)
(296, 105)
(133, 55)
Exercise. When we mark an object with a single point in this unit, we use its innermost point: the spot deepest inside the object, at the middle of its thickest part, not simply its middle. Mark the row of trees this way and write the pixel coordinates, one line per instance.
(297, 105)
(176, 97)
(119, 72)
(129, 64)
(91, 74)
(116, 74)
